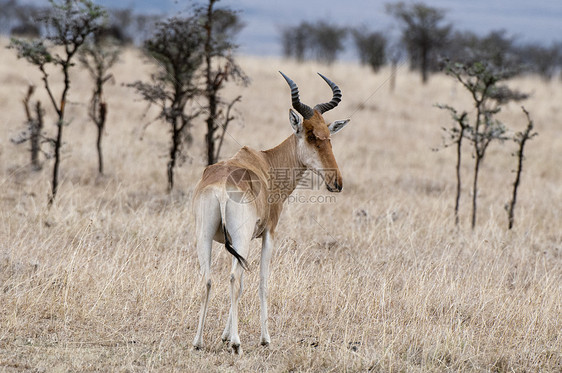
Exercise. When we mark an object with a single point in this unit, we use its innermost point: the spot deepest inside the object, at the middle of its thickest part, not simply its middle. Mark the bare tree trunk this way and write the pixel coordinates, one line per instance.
(393, 71)
(35, 126)
(475, 188)
(35, 136)
(55, 178)
(58, 140)
(515, 186)
(101, 125)
(459, 154)
(211, 127)
(424, 64)
(210, 88)
(526, 135)
(173, 154)
(213, 83)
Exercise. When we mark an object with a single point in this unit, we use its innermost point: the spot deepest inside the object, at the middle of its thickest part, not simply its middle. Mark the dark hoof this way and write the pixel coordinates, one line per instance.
(236, 349)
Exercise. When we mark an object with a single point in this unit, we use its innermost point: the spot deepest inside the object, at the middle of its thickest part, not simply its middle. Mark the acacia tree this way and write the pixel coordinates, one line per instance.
(34, 128)
(68, 25)
(481, 80)
(542, 60)
(98, 56)
(220, 26)
(296, 41)
(371, 47)
(456, 134)
(423, 32)
(496, 47)
(520, 139)
(177, 48)
(322, 41)
(328, 41)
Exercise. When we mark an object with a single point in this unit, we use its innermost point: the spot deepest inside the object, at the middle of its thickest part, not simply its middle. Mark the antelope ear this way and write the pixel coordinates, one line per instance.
(337, 125)
(296, 121)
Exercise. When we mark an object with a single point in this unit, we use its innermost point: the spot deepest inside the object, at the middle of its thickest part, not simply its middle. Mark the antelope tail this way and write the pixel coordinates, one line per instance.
(227, 244)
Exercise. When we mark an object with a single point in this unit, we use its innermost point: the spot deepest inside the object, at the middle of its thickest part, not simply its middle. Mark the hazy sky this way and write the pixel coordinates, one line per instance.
(530, 21)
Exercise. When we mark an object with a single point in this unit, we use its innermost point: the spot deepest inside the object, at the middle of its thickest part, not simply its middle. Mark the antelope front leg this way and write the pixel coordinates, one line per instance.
(266, 249)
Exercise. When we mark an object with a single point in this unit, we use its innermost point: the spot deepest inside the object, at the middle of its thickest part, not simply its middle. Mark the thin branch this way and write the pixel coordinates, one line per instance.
(48, 89)
(227, 120)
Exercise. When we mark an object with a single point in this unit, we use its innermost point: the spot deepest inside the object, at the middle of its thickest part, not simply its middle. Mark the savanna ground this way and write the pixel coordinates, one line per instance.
(376, 279)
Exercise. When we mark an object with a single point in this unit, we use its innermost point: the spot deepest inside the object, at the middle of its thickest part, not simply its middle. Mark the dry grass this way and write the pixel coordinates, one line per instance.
(378, 280)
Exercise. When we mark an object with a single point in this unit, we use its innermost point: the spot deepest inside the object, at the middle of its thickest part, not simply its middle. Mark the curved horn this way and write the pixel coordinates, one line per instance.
(303, 109)
(322, 108)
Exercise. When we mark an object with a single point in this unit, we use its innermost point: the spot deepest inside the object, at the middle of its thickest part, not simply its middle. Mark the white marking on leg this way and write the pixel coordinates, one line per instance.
(240, 226)
(235, 293)
(226, 333)
(198, 341)
(206, 226)
(266, 252)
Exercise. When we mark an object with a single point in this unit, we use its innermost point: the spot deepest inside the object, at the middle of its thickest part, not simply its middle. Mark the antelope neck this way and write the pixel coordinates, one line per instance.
(286, 170)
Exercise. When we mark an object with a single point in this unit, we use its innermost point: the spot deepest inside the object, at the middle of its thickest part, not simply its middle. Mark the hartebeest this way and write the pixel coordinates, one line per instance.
(239, 199)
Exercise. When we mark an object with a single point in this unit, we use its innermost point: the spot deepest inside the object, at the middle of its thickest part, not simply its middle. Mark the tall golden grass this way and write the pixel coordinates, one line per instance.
(378, 279)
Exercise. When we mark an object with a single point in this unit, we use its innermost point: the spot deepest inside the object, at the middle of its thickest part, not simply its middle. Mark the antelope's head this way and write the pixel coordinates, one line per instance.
(314, 148)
